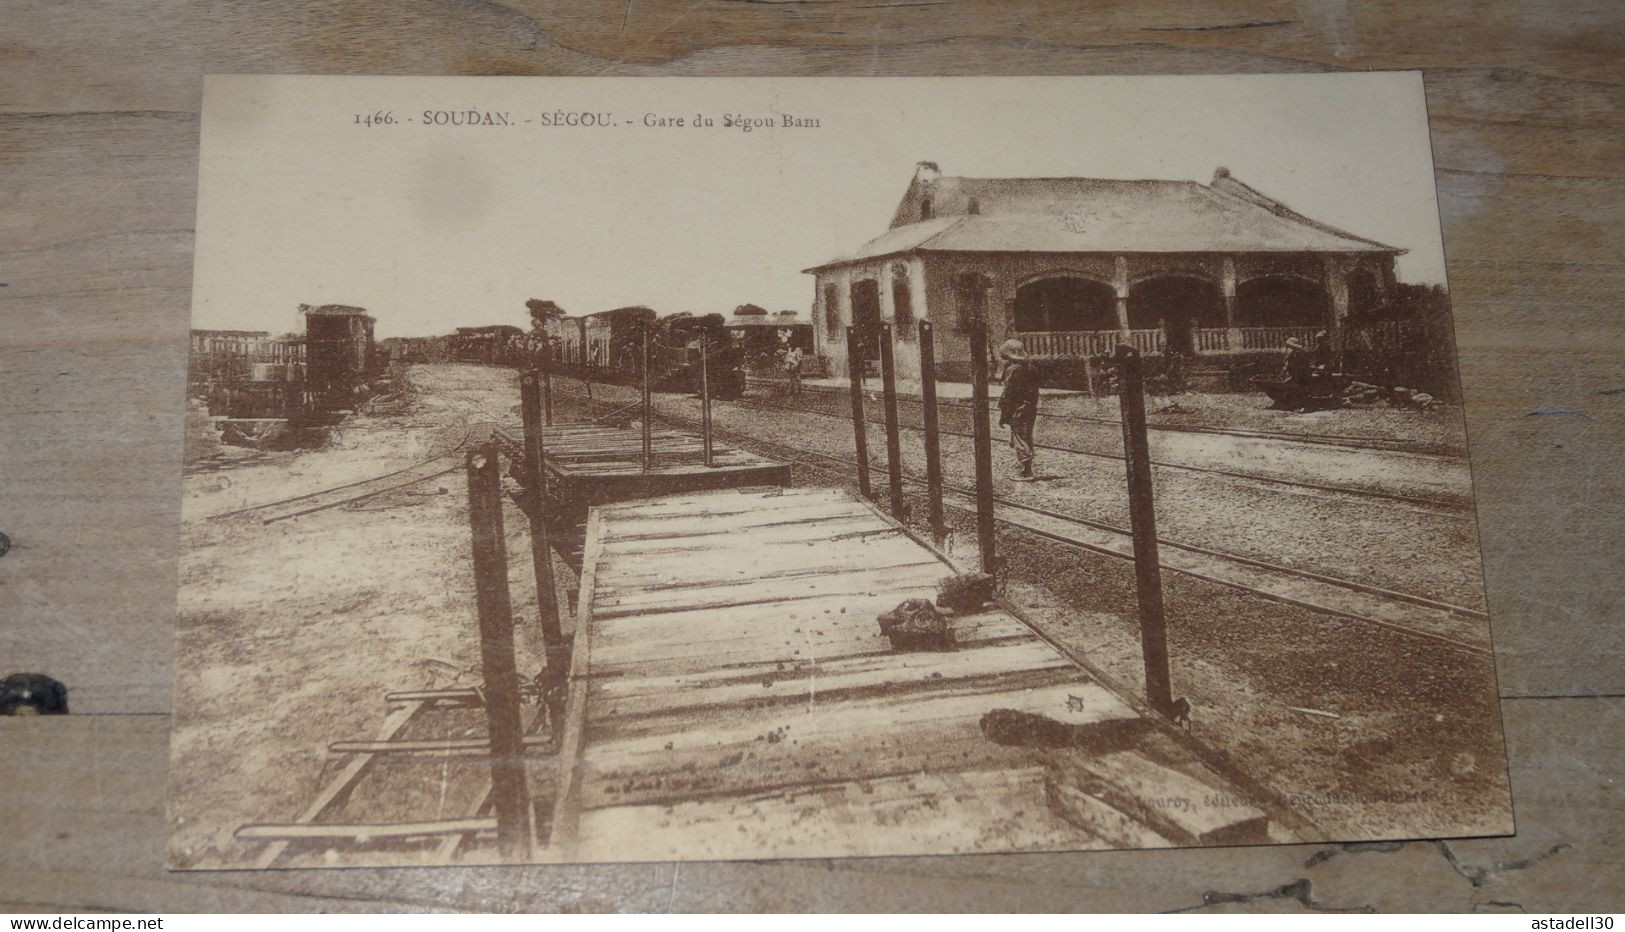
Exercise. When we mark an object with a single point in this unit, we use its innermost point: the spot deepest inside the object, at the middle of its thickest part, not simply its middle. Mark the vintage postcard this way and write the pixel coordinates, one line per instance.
(594, 470)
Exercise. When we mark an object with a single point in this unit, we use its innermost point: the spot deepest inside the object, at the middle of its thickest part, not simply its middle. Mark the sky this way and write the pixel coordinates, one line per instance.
(432, 227)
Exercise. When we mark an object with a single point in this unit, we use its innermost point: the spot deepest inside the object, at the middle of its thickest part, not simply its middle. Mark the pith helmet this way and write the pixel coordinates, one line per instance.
(1013, 350)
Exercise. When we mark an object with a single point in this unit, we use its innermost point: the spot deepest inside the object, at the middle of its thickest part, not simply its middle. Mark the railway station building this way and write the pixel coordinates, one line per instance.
(1073, 266)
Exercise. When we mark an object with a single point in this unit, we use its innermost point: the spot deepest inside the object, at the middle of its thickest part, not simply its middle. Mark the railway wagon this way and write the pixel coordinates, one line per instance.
(247, 373)
(566, 336)
(612, 341)
(764, 338)
(496, 344)
(340, 355)
(679, 359)
(404, 350)
(609, 346)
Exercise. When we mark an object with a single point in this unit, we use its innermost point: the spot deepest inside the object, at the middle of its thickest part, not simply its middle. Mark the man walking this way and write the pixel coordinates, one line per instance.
(1018, 405)
(792, 368)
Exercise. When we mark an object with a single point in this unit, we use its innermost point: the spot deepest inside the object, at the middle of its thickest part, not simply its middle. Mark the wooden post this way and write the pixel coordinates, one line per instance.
(983, 432)
(705, 404)
(894, 443)
(510, 793)
(541, 554)
(1143, 524)
(648, 408)
(933, 449)
(854, 366)
(547, 384)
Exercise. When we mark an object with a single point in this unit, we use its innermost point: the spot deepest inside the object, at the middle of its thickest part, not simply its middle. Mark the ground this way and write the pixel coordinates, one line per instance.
(290, 633)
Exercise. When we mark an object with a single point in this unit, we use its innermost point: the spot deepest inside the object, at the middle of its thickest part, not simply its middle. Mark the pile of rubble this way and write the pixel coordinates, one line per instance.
(917, 625)
(1364, 393)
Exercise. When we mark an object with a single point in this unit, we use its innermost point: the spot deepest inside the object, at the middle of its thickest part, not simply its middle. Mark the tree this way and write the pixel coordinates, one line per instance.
(750, 310)
(542, 311)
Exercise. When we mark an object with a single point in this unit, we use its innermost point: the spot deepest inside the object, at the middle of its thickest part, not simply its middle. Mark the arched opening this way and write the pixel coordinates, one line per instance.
(1179, 306)
(866, 317)
(925, 208)
(1364, 295)
(1065, 303)
(1280, 301)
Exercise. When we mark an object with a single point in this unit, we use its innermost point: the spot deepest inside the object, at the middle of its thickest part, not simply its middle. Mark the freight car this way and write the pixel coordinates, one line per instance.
(398, 351)
(609, 347)
(499, 344)
(290, 381)
(340, 356)
(764, 339)
(603, 347)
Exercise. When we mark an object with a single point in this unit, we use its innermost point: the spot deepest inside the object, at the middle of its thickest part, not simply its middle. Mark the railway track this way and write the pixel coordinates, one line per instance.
(1431, 505)
(295, 506)
(1421, 502)
(1348, 441)
(1459, 627)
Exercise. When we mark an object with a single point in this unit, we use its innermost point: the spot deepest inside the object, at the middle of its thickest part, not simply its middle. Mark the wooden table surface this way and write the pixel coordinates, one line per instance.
(98, 156)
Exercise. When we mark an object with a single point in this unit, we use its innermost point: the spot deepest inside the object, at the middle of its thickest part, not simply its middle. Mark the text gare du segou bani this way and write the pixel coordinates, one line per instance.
(589, 119)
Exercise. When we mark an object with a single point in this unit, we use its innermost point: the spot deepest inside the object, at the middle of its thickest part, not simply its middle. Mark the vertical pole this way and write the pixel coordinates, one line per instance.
(854, 366)
(983, 432)
(705, 403)
(547, 384)
(648, 408)
(541, 555)
(510, 795)
(894, 443)
(933, 449)
(1143, 523)
(585, 362)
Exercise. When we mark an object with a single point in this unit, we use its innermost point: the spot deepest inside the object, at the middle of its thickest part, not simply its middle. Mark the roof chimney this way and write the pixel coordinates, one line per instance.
(926, 172)
(1220, 172)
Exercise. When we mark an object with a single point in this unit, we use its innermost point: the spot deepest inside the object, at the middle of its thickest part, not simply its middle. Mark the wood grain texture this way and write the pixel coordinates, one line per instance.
(98, 136)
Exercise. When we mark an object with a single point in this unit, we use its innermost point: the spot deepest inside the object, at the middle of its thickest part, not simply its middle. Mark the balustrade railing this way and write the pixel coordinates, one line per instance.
(1269, 338)
(1207, 341)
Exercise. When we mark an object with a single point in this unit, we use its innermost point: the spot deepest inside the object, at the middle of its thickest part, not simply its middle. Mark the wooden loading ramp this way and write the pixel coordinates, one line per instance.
(732, 696)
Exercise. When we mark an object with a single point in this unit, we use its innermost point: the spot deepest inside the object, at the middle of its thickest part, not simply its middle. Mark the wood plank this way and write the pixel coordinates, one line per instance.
(855, 527)
(920, 577)
(650, 695)
(362, 833)
(840, 624)
(666, 653)
(567, 802)
(830, 564)
(700, 525)
(443, 747)
(1000, 804)
(1060, 694)
(1182, 808)
(784, 746)
(736, 502)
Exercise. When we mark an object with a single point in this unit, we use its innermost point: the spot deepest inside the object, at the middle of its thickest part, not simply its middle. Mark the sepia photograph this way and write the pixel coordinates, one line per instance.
(621, 469)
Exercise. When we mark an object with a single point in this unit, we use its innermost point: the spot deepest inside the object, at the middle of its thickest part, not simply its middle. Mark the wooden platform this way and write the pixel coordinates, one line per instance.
(733, 697)
(593, 463)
